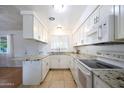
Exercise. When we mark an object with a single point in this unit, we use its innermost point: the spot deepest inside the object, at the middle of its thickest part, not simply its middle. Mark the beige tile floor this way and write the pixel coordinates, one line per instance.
(57, 79)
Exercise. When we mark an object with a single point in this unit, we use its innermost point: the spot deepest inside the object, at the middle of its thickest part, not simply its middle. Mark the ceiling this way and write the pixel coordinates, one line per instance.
(10, 18)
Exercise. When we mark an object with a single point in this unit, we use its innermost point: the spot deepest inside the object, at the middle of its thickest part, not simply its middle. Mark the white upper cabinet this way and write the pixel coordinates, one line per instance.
(92, 27)
(78, 37)
(40, 32)
(74, 38)
(36, 29)
(106, 24)
(81, 35)
(119, 22)
(44, 36)
(99, 26)
(32, 27)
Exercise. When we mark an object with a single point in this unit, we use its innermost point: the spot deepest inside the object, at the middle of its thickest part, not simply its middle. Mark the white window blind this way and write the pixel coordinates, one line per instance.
(59, 43)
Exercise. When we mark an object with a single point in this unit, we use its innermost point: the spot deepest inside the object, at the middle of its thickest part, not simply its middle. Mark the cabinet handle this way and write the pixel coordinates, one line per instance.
(47, 64)
(38, 37)
(94, 20)
(97, 19)
(82, 41)
(104, 24)
(100, 32)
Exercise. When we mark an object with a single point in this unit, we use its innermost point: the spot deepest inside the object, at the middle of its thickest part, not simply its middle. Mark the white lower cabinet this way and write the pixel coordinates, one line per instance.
(45, 66)
(34, 72)
(59, 61)
(98, 83)
(54, 61)
(73, 68)
(64, 61)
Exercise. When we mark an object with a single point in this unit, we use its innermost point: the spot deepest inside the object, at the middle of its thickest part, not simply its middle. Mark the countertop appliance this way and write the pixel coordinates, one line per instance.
(85, 68)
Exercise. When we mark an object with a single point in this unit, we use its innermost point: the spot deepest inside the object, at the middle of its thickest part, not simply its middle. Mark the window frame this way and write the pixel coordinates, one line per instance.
(8, 44)
(59, 49)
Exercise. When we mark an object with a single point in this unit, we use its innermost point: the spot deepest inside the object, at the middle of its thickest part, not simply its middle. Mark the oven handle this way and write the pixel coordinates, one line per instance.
(86, 73)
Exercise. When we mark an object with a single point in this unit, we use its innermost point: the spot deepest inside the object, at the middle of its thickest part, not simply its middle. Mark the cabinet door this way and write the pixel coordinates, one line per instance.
(105, 11)
(82, 35)
(36, 29)
(28, 26)
(40, 32)
(74, 70)
(106, 25)
(85, 33)
(79, 41)
(46, 40)
(119, 21)
(72, 66)
(54, 62)
(75, 38)
(95, 29)
(64, 61)
(92, 27)
(43, 70)
(43, 35)
(70, 62)
(32, 72)
(45, 67)
(47, 61)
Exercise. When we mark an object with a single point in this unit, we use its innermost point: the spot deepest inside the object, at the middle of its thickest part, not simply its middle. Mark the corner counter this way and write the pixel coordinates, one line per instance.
(114, 78)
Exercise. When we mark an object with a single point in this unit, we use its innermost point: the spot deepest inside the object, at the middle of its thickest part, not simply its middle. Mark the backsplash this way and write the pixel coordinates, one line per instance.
(95, 49)
(110, 53)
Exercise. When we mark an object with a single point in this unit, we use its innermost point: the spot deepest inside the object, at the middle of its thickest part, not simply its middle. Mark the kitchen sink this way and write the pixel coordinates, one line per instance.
(96, 64)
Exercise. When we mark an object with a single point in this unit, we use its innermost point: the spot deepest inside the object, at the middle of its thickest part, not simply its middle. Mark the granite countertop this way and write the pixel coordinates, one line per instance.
(30, 58)
(114, 78)
(40, 57)
(83, 56)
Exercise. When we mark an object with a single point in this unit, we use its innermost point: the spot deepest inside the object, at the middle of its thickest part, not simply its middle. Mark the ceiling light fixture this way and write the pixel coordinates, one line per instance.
(59, 31)
(59, 8)
(51, 18)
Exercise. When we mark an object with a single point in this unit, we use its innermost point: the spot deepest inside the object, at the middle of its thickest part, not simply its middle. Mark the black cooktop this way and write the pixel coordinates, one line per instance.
(96, 64)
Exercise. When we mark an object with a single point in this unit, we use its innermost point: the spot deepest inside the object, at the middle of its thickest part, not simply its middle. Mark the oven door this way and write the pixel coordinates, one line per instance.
(84, 77)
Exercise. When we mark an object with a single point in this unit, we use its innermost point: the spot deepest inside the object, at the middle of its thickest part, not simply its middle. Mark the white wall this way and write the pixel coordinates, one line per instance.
(21, 47)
